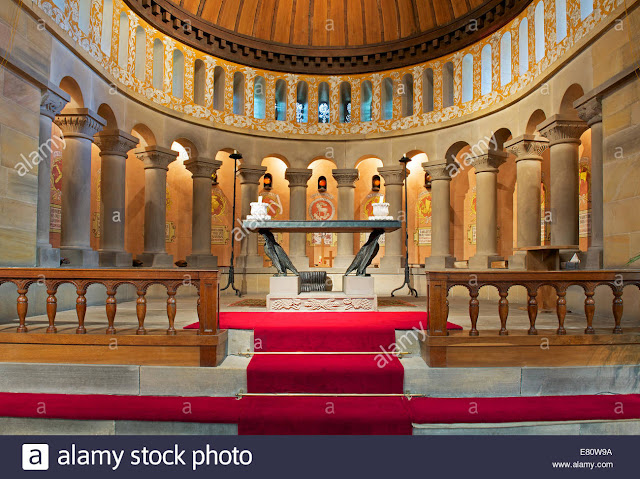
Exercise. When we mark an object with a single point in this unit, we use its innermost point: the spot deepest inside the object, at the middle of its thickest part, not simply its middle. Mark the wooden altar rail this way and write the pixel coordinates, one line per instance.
(527, 348)
(205, 346)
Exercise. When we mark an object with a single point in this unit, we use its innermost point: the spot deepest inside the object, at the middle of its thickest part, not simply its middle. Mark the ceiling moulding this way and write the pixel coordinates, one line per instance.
(246, 50)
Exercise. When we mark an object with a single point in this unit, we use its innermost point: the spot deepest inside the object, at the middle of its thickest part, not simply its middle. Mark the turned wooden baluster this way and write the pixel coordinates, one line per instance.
(474, 310)
(503, 312)
(589, 310)
(52, 307)
(81, 309)
(617, 310)
(171, 310)
(111, 309)
(532, 310)
(561, 307)
(141, 311)
(22, 306)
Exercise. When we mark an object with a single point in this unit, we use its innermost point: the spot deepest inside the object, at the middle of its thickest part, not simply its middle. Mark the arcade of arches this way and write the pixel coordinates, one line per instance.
(531, 141)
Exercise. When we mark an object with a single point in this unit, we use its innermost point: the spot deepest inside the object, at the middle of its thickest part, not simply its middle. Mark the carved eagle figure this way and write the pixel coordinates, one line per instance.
(276, 253)
(366, 254)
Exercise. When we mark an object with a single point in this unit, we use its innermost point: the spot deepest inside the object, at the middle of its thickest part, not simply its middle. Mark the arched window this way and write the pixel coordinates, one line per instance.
(561, 20)
(158, 64)
(123, 41)
(218, 88)
(467, 78)
(281, 100)
(107, 26)
(324, 105)
(539, 30)
(485, 70)
(178, 74)
(523, 46)
(505, 59)
(427, 90)
(259, 98)
(366, 100)
(345, 102)
(302, 102)
(199, 80)
(238, 93)
(407, 95)
(84, 11)
(387, 99)
(586, 8)
(141, 52)
(447, 84)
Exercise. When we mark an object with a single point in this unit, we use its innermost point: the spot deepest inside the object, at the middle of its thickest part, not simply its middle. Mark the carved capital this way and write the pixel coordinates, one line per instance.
(438, 171)
(591, 110)
(250, 174)
(527, 147)
(79, 123)
(393, 175)
(559, 129)
(52, 102)
(297, 176)
(115, 142)
(489, 162)
(156, 157)
(346, 177)
(202, 167)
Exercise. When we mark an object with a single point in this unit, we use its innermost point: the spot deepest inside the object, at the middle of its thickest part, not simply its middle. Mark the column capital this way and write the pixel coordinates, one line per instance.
(527, 147)
(489, 162)
(79, 123)
(437, 171)
(156, 157)
(346, 177)
(202, 167)
(590, 110)
(53, 101)
(297, 176)
(251, 174)
(562, 129)
(392, 175)
(115, 142)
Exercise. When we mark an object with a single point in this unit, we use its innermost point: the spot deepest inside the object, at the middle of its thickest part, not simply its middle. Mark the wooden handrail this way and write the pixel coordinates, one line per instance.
(439, 283)
(205, 282)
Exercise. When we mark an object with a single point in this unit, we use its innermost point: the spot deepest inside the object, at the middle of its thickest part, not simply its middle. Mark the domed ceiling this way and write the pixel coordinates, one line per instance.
(328, 36)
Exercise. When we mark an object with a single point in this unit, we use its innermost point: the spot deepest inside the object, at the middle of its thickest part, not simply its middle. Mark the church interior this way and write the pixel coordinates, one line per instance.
(320, 217)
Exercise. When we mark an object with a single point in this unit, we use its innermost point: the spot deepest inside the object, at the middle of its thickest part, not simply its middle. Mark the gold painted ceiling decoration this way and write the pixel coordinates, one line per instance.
(328, 36)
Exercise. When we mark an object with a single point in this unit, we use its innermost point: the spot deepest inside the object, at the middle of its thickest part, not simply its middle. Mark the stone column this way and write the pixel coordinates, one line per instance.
(528, 150)
(52, 102)
(346, 178)
(78, 126)
(441, 257)
(156, 164)
(201, 170)
(591, 112)
(393, 176)
(298, 178)
(486, 166)
(563, 134)
(114, 146)
(249, 183)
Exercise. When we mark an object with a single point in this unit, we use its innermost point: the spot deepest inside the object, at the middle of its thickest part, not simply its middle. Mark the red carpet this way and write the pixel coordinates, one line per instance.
(317, 415)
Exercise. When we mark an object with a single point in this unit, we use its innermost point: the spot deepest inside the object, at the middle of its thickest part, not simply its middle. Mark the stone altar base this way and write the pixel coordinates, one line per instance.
(321, 301)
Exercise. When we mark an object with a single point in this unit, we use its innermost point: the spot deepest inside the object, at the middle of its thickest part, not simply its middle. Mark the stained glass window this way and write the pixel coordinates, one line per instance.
(323, 112)
(347, 116)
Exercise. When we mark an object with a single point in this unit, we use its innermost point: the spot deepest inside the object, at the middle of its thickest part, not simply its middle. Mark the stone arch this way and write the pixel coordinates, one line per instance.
(322, 157)
(537, 117)
(279, 156)
(70, 85)
(572, 93)
(144, 134)
(190, 147)
(106, 112)
(499, 137)
(452, 152)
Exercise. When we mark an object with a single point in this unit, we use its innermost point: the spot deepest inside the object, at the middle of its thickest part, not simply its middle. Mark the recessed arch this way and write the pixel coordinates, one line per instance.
(535, 119)
(427, 90)
(188, 145)
(345, 102)
(140, 53)
(259, 98)
(106, 112)
(123, 41)
(158, 64)
(499, 138)
(70, 86)
(238, 93)
(366, 100)
(447, 85)
(302, 102)
(281, 100)
(199, 82)
(321, 157)
(279, 156)
(144, 134)
(218, 88)
(407, 95)
(387, 99)
(571, 94)
(178, 74)
(366, 158)
(324, 103)
(453, 150)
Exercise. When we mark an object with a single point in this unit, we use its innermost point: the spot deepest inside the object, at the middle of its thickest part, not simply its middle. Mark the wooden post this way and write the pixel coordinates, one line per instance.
(438, 308)
(209, 311)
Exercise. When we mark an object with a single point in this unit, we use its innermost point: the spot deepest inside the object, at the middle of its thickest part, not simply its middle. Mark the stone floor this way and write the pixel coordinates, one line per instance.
(186, 313)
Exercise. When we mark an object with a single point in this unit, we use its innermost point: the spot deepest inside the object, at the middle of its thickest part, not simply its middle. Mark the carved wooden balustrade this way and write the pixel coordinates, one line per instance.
(529, 347)
(205, 347)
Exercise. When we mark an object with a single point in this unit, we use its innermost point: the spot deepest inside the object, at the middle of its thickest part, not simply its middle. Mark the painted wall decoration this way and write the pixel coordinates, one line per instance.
(93, 43)
(584, 198)
(322, 208)
(470, 216)
(422, 232)
(219, 228)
